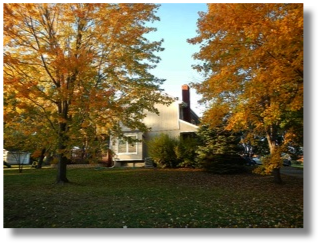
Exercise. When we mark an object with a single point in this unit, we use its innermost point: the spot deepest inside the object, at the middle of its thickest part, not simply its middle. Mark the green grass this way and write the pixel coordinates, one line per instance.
(297, 165)
(135, 198)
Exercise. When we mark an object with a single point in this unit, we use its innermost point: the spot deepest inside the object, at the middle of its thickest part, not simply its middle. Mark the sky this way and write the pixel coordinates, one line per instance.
(178, 22)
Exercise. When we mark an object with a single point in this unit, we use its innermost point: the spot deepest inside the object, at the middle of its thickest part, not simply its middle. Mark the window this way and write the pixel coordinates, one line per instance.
(125, 146)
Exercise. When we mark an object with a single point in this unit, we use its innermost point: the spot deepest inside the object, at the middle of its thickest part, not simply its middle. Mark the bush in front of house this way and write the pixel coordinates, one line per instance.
(162, 151)
(186, 151)
(167, 152)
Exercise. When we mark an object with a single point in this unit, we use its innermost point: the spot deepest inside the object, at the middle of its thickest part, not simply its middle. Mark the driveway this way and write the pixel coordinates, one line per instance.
(291, 171)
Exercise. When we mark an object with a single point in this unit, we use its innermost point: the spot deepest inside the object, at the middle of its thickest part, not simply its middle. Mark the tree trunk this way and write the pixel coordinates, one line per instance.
(276, 175)
(61, 170)
(272, 138)
(20, 168)
(110, 158)
(41, 159)
(20, 165)
(63, 160)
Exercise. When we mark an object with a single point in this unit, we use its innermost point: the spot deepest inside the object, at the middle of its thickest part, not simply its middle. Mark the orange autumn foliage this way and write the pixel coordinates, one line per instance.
(252, 59)
(81, 70)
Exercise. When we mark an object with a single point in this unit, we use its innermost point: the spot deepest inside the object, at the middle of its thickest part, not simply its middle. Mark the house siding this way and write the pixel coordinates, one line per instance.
(16, 157)
(187, 127)
(168, 121)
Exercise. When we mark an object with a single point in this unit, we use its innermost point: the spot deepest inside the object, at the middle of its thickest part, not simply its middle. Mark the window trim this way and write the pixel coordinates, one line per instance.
(127, 145)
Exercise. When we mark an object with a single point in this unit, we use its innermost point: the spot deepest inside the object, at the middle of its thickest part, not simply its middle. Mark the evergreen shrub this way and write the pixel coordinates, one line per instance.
(224, 164)
(219, 151)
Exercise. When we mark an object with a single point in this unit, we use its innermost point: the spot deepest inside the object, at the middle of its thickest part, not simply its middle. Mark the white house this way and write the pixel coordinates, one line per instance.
(175, 120)
(16, 157)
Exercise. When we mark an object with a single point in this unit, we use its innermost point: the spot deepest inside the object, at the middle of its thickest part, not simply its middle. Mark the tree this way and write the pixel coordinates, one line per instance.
(25, 130)
(252, 59)
(219, 150)
(81, 69)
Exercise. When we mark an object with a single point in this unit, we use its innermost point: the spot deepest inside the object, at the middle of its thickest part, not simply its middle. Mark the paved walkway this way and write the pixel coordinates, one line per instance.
(291, 171)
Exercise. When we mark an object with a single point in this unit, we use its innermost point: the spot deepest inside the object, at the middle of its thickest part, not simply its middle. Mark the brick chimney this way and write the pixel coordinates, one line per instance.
(186, 99)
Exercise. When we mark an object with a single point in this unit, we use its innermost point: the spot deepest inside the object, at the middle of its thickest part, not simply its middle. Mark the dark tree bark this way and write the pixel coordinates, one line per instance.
(41, 159)
(63, 128)
(61, 170)
(63, 160)
(110, 158)
(277, 176)
(20, 168)
(272, 139)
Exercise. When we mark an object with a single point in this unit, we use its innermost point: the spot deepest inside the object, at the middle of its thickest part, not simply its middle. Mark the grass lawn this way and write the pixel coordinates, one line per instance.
(298, 165)
(135, 198)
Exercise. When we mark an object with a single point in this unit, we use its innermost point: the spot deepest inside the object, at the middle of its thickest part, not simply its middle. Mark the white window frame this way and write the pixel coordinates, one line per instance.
(127, 145)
